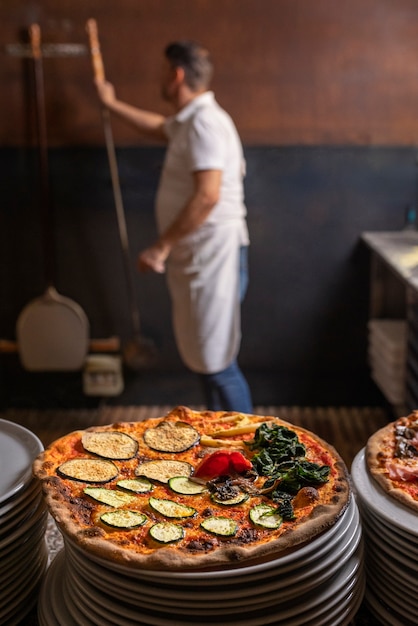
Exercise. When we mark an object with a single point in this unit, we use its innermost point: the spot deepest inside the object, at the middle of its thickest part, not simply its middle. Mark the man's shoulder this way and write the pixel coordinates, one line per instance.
(212, 115)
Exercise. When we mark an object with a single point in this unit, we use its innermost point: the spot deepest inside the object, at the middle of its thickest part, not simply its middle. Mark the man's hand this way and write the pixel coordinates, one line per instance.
(153, 258)
(106, 92)
(206, 194)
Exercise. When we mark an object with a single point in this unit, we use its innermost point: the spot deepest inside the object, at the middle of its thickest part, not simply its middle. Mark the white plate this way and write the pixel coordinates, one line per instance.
(51, 587)
(18, 501)
(293, 614)
(398, 602)
(378, 565)
(170, 599)
(344, 612)
(39, 516)
(379, 574)
(18, 449)
(374, 497)
(219, 599)
(17, 582)
(17, 594)
(303, 579)
(253, 598)
(382, 612)
(74, 611)
(382, 544)
(376, 526)
(341, 592)
(24, 609)
(34, 501)
(18, 566)
(56, 607)
(23, 546)
(333, 595)
(384, 526)
(329, 612)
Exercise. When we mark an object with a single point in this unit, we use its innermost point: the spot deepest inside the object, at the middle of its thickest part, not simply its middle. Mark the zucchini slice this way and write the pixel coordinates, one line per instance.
(137, 485)
(110, 444)
(166, 532)
(123, 518)
(88, 470)
(171, 437)
(266, 516)
(169, 508)
(163, 469)
(222, 526)
(238, 499)
(112, 497)
(185, 486)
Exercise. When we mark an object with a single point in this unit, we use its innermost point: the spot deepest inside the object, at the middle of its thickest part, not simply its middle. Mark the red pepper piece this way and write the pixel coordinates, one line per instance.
(222, 463)
(239, 462)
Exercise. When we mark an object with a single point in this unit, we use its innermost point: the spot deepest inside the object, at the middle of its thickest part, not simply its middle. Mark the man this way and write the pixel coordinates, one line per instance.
(200, 215)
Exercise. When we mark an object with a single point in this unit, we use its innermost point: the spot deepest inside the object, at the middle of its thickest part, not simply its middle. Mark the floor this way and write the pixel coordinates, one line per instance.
(155, 386)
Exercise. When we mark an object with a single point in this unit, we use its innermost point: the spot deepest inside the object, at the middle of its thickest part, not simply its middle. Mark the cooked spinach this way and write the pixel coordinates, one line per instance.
(284, 502)
(281, 456)
(280, 441)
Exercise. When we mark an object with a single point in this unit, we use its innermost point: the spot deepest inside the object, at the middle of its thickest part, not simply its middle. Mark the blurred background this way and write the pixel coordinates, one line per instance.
(325, 97)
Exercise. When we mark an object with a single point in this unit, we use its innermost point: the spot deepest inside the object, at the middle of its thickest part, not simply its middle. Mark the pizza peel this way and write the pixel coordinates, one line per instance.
(52, 331)
(139, 352)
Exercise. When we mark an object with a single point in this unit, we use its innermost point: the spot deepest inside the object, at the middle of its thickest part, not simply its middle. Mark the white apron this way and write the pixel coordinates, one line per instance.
(203, 280)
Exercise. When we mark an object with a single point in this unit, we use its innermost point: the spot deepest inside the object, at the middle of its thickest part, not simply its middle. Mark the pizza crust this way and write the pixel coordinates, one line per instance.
(204, 552)
(380, 450)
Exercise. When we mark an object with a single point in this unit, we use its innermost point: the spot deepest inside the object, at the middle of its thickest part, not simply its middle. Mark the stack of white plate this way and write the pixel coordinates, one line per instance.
(23, 520)
(387, 357)
(318, 584)
(391, 558)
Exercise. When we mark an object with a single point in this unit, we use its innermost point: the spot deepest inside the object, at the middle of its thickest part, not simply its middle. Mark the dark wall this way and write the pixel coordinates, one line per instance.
(305, 315)
(325, 97)
(309, 72)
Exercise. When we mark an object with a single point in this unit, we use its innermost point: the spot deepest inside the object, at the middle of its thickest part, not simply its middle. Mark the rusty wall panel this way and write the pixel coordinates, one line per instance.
(301, 72)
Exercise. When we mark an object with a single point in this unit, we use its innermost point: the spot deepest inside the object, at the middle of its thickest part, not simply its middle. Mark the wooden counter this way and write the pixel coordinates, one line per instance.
(394, 296)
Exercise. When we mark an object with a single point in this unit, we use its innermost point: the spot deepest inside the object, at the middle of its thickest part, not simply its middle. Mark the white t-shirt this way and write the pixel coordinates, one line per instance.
(202, 136)
(203, 267)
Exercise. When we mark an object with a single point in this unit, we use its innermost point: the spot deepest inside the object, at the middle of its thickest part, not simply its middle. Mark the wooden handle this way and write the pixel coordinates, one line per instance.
(96, 55)
(111, 344)
(35, 40)
(108, 344)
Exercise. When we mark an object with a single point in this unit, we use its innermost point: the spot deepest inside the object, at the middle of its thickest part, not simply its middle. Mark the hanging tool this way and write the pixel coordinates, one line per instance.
(139, 352)
(52, 331)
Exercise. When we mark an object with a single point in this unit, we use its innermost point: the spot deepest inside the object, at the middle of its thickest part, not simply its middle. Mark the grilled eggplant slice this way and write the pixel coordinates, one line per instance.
(88, 470)
(238, 499)
(171, 437)
(163, 469)
(110, 444)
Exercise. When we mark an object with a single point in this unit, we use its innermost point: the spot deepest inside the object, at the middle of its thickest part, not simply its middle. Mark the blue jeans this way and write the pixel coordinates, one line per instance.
(228, 390)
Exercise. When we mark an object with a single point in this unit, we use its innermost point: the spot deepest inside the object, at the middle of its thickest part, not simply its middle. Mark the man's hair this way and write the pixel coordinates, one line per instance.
(194, 59)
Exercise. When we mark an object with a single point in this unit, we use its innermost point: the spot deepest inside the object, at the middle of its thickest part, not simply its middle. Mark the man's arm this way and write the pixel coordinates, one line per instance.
(206, 195)
(147, 122)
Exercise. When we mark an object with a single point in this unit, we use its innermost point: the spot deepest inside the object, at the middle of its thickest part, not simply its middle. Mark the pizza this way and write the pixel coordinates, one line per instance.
(193, 490)
(392, 459)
